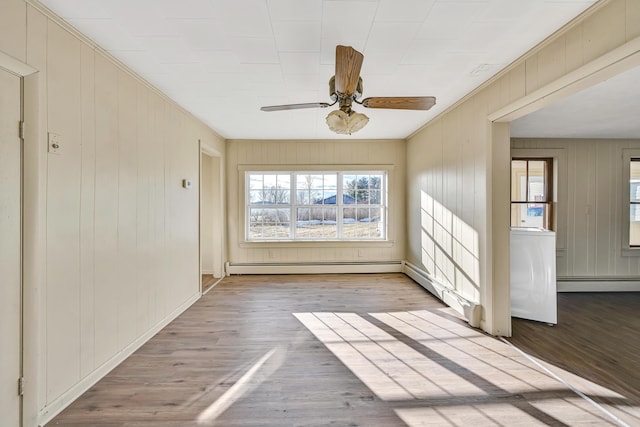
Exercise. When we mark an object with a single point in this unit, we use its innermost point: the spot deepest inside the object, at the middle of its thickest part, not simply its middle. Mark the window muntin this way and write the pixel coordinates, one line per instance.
(531, 193)
(313, 205)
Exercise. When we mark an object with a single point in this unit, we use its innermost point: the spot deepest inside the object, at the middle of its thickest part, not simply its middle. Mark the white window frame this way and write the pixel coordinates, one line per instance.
(628, 155)
(549, 185)
(293, 204)
(560, 189)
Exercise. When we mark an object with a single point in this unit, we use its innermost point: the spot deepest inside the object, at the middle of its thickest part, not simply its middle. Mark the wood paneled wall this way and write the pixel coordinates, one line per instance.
(121, 241)
(451, 159)
(297, 155)
(591, 244)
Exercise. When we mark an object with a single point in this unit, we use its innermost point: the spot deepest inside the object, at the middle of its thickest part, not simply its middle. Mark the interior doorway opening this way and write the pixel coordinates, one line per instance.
(211, 219)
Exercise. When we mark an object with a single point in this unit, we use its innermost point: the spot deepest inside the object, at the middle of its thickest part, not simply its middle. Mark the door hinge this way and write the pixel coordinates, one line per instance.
(21, 130)
(21, 386)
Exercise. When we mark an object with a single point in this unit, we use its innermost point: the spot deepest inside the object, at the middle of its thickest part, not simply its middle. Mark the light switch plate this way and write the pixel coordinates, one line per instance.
(55, 144)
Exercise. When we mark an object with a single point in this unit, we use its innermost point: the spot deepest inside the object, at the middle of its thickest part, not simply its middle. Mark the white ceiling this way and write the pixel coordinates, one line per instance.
(223, 59)
(610, 109)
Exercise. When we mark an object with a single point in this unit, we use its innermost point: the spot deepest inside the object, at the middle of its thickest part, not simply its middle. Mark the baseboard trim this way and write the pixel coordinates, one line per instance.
(315, 267)
(47, 413)
(598, 284)
(472, 311)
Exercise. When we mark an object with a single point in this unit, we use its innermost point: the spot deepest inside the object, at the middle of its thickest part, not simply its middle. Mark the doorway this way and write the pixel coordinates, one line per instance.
(10, 248)
(211, 219)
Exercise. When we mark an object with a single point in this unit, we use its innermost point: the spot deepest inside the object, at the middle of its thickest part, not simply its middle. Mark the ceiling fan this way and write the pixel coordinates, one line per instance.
(345, 88)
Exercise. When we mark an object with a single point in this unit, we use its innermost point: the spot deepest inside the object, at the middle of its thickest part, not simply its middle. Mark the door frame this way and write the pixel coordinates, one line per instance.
(33, 226)
(206, 150)
(615, 62)
(11, 161)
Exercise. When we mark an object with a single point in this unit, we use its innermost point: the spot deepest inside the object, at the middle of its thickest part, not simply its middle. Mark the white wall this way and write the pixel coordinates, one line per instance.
(458, 164)
(297, 155)
(119, 245)
(591, 211)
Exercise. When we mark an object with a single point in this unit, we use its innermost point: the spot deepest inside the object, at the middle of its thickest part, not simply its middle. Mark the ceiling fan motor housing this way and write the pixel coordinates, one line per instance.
(334, 95)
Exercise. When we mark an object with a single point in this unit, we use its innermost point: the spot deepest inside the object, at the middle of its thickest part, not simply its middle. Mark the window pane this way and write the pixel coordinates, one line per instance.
(518, 180)
(284, 181)
(269, 223)
(309, 180)
(269, 189)
(316, 189)
(255, 196)
(535, 215)
(269, 180)
(375, 182)
(255, 181)
(359, 188)
(634, 180)
(316, 223)
(375, 197)
(327, 198)
(537, 187)
(362, 223)
(303, 182)
(331, 182)
(309, 197)
(634, 225)
(303, 197)
(348, 182)
(274, 196)
(362, 196)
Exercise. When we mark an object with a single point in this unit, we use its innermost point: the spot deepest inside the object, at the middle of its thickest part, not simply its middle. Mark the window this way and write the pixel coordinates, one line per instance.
(531, 193)
(316, 205)
(634, 202)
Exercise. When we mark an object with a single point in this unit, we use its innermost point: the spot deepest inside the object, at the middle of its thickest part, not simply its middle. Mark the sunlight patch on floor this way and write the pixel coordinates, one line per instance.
(491, 414)
(424, 359)
(256, 375)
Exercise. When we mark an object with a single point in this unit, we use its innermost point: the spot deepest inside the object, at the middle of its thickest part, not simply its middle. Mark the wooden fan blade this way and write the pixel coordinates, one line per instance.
(400, 102)
(348, 65)
(296, 106)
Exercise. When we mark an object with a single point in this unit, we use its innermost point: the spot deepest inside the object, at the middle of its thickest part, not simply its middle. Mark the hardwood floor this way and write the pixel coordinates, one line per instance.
(330, 350)
(207, 282)
(597, 338)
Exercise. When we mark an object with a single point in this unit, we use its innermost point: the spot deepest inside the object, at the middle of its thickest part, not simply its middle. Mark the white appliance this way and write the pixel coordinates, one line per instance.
(533, 275)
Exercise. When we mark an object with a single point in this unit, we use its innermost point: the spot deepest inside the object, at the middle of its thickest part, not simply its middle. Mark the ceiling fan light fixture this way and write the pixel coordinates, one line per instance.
(346, 123)
(345, 88)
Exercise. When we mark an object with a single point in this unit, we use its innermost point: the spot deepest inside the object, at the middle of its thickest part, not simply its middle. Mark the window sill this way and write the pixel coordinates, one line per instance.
(321, 244)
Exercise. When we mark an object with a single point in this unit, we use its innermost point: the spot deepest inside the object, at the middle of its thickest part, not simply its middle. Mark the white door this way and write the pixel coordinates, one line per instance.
(10, 249)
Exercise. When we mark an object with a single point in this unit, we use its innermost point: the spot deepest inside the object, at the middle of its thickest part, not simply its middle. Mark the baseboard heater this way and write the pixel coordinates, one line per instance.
(314, 267)
(472, 311)
(598, 284)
